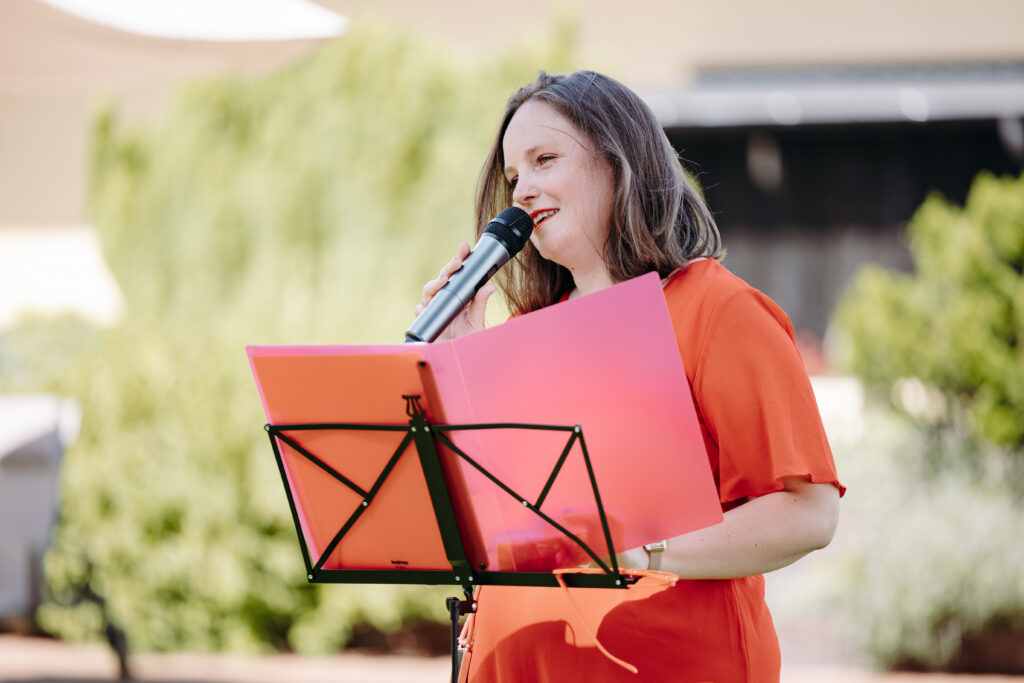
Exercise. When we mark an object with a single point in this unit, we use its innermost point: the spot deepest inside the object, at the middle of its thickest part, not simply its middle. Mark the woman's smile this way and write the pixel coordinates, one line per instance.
(541, 216)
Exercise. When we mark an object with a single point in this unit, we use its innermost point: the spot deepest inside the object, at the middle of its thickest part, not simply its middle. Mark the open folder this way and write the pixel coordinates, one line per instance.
(560, 435)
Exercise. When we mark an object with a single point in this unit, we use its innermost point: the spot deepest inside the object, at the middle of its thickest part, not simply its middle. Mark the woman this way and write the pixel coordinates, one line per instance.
(585, 157)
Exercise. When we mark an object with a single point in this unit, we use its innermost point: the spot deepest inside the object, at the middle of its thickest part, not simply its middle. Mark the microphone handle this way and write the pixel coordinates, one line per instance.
(484, 261)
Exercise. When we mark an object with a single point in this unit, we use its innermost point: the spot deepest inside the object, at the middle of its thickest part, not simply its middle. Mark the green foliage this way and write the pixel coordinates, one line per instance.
(937, 561)
(254, 212)
(957, 323)
(923, 565)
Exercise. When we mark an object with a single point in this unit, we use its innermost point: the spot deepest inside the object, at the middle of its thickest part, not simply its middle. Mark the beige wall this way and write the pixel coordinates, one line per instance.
(54, 68)
(657, 44)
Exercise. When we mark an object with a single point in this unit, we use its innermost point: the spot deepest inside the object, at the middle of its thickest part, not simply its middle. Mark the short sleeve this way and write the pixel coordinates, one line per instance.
(757, 402)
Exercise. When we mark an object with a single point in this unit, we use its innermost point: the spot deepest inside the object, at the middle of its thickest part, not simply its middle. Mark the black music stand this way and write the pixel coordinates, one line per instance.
(422, 437)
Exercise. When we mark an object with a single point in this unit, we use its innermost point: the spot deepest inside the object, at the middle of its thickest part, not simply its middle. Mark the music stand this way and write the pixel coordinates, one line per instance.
(304, 473)
(420, 435)
(344, 423)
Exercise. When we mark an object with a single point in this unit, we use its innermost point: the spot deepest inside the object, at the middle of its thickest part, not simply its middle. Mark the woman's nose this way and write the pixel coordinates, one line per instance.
(524, 192)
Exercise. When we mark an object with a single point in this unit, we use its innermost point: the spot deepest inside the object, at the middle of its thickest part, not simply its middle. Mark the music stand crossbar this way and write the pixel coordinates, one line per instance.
(421, 434)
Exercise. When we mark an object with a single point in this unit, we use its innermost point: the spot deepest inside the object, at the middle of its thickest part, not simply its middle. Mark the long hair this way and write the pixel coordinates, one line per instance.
(659, 220)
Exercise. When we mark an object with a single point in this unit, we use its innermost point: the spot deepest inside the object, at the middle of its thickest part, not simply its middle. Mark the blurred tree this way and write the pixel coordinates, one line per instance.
(949, 338)
(306, 207)
(940, 587)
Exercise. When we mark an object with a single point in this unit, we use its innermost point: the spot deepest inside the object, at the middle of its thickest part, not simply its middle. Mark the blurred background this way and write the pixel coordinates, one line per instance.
(178, 180)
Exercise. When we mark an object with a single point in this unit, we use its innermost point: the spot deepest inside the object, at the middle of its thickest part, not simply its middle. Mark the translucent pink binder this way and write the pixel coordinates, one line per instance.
(605, 367)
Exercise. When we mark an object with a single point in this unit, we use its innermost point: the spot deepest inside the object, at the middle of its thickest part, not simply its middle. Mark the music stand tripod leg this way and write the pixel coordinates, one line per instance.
(457, 608)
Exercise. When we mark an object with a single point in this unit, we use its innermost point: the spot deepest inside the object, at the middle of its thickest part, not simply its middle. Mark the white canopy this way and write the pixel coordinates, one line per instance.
(216, 20)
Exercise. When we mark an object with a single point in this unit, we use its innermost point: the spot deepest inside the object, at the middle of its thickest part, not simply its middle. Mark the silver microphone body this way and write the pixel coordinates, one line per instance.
(505, 236)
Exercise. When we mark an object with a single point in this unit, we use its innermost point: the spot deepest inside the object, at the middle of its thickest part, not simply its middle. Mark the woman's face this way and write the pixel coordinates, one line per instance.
(565, 185)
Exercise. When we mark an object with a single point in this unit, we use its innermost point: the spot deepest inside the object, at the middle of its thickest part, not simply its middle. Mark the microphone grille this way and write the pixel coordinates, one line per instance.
(512, 227)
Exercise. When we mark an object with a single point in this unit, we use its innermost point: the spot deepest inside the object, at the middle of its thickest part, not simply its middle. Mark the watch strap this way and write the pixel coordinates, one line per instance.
(654, 552)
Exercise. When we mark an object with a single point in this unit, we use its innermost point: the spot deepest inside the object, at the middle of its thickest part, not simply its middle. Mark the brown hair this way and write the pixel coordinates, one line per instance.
(659, 220)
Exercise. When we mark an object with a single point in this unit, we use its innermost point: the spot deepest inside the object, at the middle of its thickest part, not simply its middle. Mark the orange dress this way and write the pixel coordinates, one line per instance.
(760, 423)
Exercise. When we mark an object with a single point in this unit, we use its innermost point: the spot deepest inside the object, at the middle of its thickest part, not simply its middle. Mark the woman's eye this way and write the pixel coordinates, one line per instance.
(544, 158)
(512, 182)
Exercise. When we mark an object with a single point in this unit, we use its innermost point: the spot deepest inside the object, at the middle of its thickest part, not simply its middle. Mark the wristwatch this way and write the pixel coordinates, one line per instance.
(654, 551)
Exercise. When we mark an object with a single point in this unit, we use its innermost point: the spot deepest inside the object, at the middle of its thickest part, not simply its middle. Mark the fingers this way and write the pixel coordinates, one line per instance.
(477, 308)
(470, 319)
(434, 286)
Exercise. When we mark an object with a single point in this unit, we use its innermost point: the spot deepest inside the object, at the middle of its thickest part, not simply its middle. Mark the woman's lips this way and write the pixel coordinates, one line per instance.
(542, 215)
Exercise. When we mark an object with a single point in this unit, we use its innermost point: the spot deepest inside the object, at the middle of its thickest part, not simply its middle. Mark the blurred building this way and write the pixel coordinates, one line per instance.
(60, 60)
(815, 127)
(814, 170)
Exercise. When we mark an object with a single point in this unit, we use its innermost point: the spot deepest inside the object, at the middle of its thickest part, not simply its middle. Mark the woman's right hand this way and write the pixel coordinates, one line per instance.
(471, 318)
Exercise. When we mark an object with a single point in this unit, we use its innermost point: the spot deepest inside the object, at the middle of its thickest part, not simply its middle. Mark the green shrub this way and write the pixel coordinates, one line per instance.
(923, 564)
(304, 207)
(937, 565)
(957, 322)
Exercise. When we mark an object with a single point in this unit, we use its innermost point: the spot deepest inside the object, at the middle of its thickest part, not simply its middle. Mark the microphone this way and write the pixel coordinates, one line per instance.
(504, 237)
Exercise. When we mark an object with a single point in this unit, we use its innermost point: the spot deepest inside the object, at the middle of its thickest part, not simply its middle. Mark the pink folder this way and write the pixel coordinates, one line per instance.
(607, 362)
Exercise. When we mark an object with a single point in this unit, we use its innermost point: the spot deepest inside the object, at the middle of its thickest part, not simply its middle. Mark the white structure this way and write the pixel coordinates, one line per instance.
(213, 20)
(48, 271)
(34, 431)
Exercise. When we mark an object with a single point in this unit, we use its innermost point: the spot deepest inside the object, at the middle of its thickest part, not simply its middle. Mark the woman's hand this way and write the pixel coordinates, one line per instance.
(471, 318)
